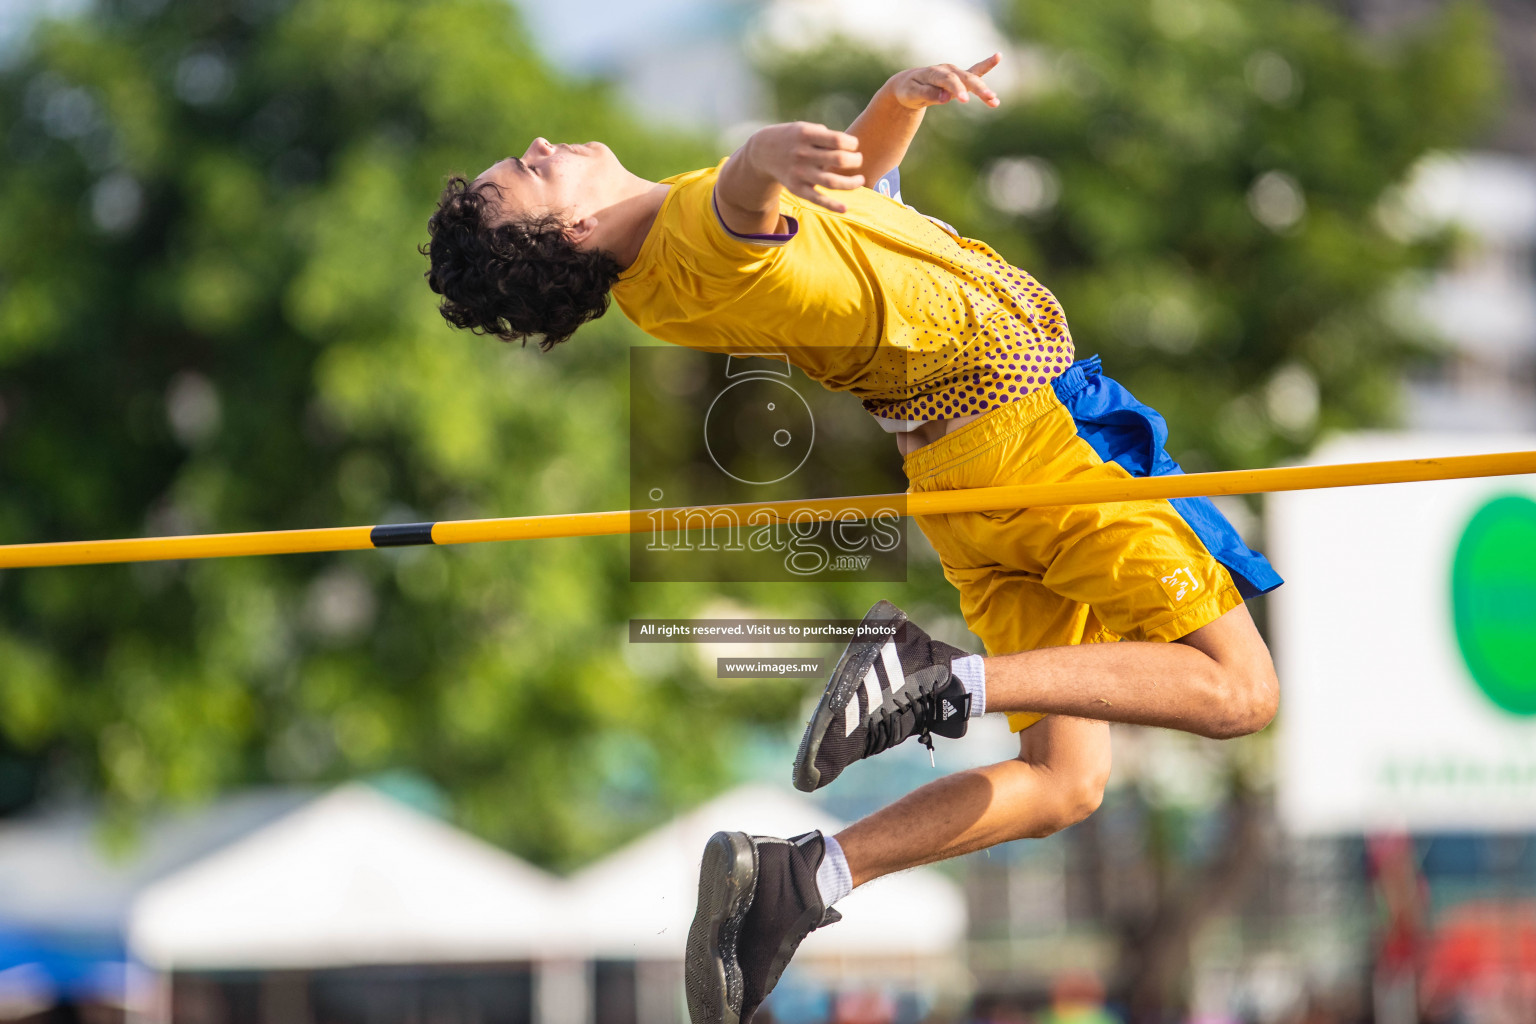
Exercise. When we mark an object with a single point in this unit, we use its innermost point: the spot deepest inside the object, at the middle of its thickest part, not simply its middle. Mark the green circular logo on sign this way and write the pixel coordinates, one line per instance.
(1493, 594)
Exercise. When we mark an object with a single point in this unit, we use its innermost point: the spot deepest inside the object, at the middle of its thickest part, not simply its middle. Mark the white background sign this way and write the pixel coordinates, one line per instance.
(1382, 725)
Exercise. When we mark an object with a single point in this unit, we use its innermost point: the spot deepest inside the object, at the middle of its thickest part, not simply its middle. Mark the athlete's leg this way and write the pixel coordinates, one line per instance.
(1057, 780)
(759, 897)
(1148, 570)
(1217, 681)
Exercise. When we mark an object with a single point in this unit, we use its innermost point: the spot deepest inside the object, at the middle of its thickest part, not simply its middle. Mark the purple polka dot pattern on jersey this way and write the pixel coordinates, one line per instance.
(1005, 338)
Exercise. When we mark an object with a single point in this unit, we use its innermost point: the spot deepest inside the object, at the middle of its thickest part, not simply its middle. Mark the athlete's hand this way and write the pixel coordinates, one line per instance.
(801, 156)
(931, 86)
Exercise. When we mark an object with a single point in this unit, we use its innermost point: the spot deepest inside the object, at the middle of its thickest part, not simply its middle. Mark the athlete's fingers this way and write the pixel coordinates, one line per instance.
(842, 182)
(947, 77)
(977, 86)
(805, 191)
(837, 159)
(930, 93)
(983, 66)
(822, 137)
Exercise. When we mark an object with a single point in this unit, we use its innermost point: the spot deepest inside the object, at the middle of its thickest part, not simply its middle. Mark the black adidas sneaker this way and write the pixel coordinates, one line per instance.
(882, 692)
(757, 901)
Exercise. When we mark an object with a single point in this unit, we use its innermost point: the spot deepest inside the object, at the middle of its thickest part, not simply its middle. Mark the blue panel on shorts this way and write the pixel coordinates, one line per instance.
(1125, 431)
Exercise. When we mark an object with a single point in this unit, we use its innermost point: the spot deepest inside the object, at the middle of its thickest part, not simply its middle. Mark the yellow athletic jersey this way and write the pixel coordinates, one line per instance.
(881, 301)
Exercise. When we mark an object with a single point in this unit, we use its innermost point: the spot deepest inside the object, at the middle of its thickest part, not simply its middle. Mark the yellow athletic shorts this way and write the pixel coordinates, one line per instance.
(1049, 577)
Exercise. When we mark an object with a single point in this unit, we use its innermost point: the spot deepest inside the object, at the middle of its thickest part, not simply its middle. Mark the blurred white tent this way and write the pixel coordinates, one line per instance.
(352, 878)
(57, 876)
(637, 903)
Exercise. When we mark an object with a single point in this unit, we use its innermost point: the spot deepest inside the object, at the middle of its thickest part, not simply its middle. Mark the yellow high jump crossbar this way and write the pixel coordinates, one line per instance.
(922, 503)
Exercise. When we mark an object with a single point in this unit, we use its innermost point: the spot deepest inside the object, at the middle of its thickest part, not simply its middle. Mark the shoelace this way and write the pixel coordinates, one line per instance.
(885, 729)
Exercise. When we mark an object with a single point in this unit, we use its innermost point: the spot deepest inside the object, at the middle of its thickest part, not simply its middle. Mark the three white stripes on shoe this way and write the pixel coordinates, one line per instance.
(874, 693)
(969, 670)
(893, 671)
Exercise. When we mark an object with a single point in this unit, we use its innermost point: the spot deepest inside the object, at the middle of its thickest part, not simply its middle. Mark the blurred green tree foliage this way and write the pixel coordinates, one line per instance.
(212, 317)
(1208, 187)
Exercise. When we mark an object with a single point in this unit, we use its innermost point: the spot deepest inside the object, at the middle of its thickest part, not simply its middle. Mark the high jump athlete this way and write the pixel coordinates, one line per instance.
(1130, 612)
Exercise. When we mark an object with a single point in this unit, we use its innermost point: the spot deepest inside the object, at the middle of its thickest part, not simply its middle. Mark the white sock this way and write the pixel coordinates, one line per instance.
(972, 672)
(833, 879)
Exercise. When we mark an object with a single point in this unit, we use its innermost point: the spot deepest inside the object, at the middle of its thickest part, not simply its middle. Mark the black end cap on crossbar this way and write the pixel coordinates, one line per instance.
(401, 535)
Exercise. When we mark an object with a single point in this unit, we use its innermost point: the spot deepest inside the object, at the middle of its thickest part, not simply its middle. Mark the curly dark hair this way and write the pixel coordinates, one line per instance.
(515, 279)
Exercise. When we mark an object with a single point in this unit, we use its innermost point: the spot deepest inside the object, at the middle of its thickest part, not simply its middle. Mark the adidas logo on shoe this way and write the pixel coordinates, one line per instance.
(883, 691)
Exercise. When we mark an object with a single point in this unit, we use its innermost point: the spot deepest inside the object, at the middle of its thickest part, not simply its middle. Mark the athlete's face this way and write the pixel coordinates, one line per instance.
(571, 180)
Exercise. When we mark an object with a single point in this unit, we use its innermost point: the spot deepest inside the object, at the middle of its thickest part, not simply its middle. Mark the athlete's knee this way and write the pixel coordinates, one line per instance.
(1085, 795)
(1250, 697)
(1074, 794)
(1238, 676)
(1076, 800)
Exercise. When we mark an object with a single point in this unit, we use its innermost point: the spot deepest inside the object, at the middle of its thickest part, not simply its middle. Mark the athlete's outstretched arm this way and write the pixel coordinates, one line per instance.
(886, 127)
(806, 158)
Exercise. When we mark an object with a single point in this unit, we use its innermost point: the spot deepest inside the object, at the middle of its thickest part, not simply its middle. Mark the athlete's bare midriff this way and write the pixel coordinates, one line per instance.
(909, 441)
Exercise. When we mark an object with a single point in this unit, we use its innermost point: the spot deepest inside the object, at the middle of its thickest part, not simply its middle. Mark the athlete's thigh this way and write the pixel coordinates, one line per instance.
(1077, 748)
(1012, 611)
